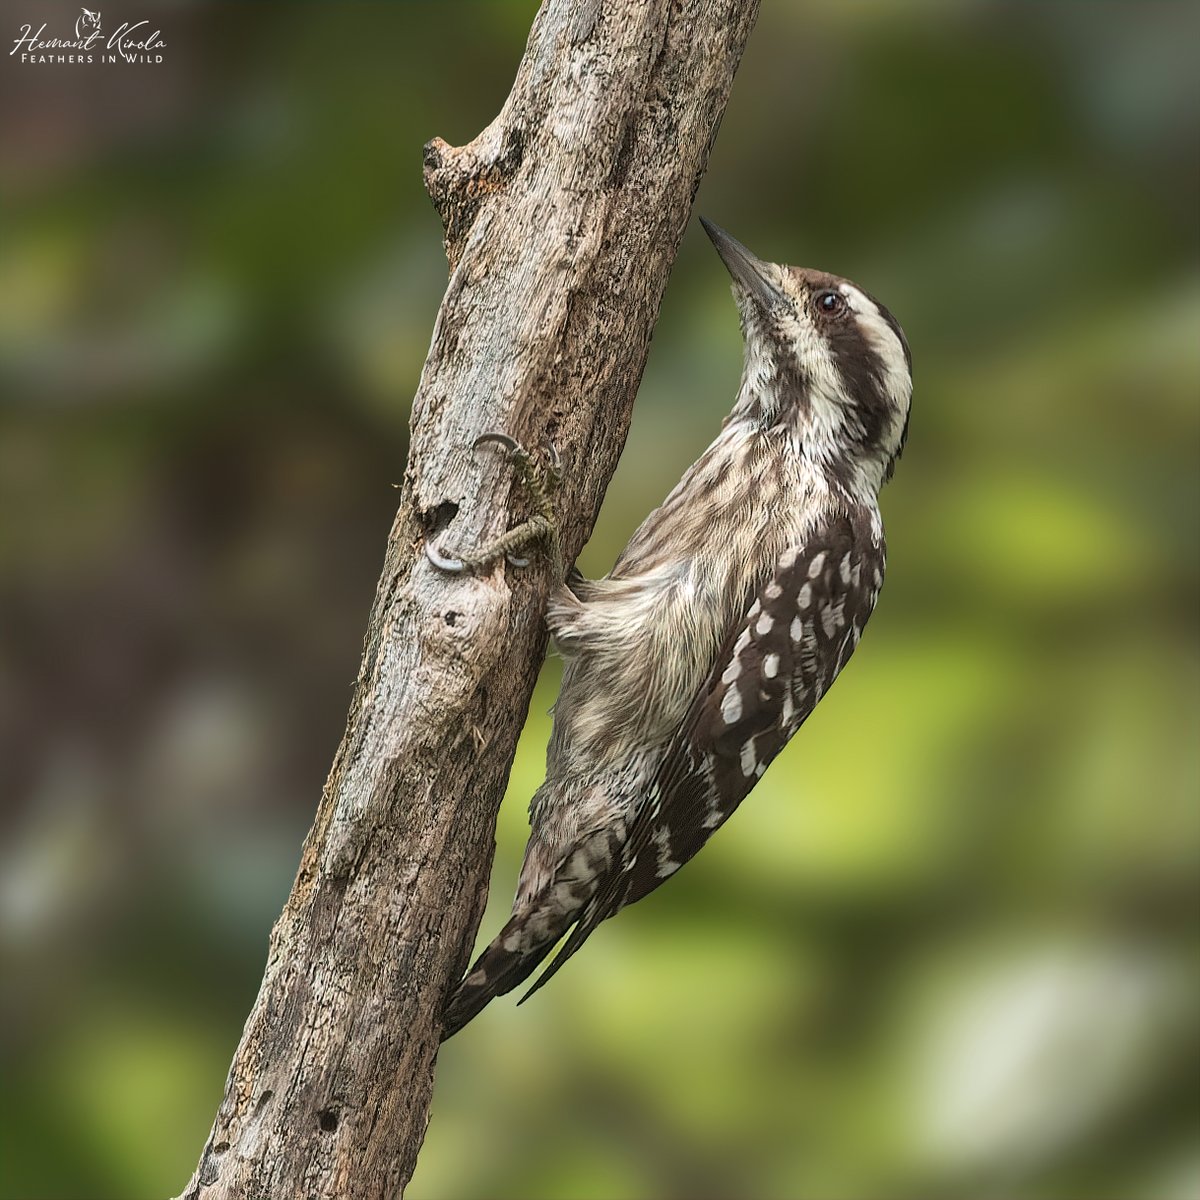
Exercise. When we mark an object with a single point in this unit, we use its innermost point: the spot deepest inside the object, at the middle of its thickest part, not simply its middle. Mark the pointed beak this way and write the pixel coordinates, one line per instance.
(748, 270)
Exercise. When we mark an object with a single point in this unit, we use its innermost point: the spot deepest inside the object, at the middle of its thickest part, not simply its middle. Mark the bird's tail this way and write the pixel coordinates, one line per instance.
(541, 917)
(508, 961)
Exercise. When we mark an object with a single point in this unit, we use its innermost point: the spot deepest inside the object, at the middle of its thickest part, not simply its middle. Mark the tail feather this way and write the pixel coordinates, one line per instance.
(508, 961)
(580, 934)
(536, 926)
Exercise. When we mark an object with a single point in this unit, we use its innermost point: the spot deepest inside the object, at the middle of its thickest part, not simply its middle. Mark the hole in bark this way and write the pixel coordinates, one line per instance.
(624, 159)
(438, 518)
(451, 618)
(328, 1120)
(220, 1147)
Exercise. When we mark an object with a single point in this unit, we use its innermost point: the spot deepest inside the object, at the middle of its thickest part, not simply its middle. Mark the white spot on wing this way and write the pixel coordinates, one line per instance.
(817, 564)
(666, 865)
(828, 620)
(805, 597)
(749, 759)
(764, 624)
(771, 666)
(731, 706)
(797, 630)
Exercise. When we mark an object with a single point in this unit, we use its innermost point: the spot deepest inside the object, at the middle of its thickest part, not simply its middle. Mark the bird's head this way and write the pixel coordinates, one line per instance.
(826, 361)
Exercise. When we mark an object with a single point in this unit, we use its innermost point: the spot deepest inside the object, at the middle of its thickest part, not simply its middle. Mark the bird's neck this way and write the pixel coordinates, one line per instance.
(810, 430)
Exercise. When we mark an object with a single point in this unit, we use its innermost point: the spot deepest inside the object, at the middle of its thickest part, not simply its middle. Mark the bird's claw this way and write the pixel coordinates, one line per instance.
(443, 562)
(495, 437)
(460, 566)
(537, 528)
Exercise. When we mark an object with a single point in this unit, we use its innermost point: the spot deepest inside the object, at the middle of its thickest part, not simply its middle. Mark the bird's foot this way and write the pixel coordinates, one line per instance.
(541, 526)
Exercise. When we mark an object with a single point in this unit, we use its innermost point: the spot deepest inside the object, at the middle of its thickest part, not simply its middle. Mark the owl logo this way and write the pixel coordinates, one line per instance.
(87, 23)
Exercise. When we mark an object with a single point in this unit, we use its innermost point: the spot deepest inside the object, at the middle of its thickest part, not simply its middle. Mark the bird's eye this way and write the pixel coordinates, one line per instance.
(831, 303)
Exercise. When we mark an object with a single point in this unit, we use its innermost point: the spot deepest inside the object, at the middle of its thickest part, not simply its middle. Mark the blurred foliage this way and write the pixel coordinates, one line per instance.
(950, 947)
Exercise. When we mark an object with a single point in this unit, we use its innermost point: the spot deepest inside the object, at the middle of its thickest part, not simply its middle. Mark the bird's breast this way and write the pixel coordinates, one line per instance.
(655, 624)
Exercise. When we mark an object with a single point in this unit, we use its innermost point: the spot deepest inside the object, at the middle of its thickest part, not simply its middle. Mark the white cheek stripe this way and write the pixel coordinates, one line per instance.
(885, 343)
(826, 410)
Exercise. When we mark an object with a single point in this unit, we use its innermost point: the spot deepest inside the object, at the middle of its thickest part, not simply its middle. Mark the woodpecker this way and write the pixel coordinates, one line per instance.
(724, 621)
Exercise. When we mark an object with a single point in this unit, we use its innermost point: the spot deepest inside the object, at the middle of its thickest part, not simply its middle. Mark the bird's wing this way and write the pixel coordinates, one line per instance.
(774, 665)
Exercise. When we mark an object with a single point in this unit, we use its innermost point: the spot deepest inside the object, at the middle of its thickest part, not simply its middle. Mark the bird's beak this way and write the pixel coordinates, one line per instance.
(748, 270)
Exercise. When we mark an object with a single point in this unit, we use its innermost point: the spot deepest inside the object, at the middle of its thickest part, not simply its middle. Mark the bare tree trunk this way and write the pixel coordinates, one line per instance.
(562, 222)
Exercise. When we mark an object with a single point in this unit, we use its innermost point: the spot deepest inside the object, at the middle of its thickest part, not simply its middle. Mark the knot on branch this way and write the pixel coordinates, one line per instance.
(460, 178)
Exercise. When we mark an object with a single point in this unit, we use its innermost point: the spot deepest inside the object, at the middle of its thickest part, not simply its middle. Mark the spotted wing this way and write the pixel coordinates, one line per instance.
(773, 667)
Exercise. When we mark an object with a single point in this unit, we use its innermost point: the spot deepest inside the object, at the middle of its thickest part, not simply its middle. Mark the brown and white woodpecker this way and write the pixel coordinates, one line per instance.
(723, 622)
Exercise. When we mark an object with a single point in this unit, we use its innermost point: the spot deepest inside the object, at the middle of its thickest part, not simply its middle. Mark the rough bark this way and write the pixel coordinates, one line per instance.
(562, 221)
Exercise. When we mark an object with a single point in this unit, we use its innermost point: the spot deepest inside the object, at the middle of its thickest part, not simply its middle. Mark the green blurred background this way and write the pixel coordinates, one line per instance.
(949, 949)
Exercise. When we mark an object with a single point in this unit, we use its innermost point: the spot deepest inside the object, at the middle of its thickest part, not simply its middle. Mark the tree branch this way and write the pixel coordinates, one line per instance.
(562, 220)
